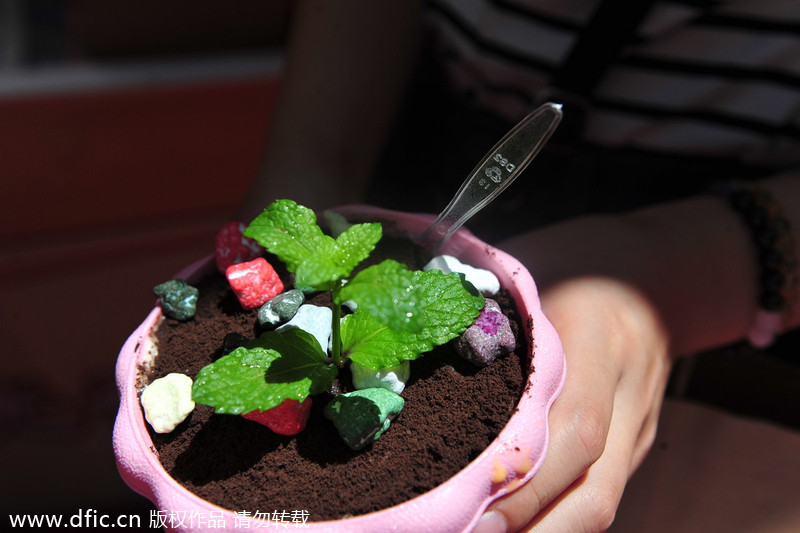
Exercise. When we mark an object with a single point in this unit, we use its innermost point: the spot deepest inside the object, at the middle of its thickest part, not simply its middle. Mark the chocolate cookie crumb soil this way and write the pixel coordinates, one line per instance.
(453, 411)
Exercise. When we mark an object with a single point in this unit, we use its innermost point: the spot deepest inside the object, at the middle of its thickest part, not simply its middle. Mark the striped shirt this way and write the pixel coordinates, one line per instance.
(697, 77)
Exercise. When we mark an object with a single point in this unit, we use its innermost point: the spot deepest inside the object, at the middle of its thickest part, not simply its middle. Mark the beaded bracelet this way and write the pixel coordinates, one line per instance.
(771, 234)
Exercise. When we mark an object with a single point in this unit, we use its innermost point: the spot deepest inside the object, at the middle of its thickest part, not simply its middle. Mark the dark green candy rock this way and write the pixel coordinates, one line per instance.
(364, 415)
(281, 308)
(178, 299)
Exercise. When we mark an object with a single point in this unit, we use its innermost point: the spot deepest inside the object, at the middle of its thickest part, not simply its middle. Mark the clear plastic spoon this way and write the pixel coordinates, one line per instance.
(495, 172)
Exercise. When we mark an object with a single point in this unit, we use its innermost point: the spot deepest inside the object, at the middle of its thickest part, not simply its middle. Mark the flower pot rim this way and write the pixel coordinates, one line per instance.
(455, 505)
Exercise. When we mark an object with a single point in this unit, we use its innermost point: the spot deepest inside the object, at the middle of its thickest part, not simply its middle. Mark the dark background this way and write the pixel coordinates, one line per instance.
(127, 140)
(118, 123)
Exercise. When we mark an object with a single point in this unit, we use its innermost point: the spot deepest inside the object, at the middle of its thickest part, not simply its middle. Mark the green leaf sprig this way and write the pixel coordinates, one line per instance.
(400, 315)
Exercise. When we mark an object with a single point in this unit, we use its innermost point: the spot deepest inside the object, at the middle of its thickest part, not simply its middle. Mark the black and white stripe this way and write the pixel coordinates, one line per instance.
(700, 77)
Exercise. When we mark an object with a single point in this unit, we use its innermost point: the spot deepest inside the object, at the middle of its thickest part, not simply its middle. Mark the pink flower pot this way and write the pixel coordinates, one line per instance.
(456, 505)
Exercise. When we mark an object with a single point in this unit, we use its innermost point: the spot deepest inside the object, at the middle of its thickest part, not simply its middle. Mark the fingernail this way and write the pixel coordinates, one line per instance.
(491, 522)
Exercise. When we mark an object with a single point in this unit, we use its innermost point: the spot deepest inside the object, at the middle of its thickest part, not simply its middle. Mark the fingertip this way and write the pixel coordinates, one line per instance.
(491, 522)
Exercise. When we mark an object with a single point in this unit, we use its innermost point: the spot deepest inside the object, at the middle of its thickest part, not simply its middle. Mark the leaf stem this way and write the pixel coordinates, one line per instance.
(336, 322)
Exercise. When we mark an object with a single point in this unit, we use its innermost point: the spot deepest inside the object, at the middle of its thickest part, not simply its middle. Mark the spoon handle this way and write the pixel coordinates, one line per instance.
(495, 172)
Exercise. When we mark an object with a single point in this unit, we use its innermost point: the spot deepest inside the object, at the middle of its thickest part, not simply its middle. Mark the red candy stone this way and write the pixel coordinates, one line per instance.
(231, 247)
(254, 282)
(289, 418)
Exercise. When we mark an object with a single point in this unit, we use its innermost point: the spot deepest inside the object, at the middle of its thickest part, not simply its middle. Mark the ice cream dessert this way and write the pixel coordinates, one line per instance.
(452, 505)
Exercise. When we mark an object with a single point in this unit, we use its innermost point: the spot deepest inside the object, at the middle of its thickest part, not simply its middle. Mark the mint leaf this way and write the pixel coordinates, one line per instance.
(449, 305)
(290, 231)
(264, 372)
(317, 273)
(234, 384)
(287, 230)
(389, 292)
(302, 364)
(371, 343)
(355, 244)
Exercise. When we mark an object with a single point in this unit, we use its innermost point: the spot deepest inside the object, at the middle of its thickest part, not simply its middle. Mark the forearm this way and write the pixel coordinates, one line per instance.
(693, 260)
(347, 66)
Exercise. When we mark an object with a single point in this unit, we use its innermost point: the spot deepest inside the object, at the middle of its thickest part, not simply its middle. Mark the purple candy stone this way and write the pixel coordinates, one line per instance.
(488, 338)
(490, 321)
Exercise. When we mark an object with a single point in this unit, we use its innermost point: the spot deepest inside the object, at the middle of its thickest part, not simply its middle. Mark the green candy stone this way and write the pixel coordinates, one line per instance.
(178, 299)
(362, 416)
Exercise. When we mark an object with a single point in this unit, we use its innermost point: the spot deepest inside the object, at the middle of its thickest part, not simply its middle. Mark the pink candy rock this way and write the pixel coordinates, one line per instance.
(289, 418)
(254, 282)
(232, 247)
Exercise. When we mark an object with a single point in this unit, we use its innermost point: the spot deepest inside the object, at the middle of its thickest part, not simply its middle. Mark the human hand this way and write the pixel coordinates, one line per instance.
(604, 421)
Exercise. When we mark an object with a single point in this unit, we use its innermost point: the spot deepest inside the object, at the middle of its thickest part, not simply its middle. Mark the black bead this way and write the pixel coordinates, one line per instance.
(766, 237)
(772, 280)
(770, 232)
(756, 216)
(741, 200)
(770, 258)
(771, 301)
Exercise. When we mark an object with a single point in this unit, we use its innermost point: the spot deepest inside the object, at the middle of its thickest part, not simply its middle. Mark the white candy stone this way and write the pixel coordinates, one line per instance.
(483, 280)
(168, 401)
(393, 378)
(315, 320)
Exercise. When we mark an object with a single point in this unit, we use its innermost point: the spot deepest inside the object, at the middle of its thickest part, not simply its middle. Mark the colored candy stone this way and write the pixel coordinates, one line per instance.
(488, 338)
(232, 247)
(484, 281)
(393, 378)
(289, 418)
(254, 282)
(167, 402)
(280, 308)
(178, 299)
(315, 320)
(362, 416)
